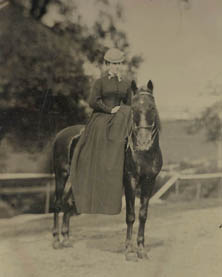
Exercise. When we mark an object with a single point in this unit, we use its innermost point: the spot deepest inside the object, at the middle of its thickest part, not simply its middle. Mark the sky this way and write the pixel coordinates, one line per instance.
(182, 48)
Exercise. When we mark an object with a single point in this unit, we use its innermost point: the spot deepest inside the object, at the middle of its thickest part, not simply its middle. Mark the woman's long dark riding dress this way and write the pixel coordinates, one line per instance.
(97, 164)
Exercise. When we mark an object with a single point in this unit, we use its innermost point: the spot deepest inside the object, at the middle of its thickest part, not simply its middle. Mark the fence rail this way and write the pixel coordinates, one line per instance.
(25, 176)
(47, 188)
(174, 180)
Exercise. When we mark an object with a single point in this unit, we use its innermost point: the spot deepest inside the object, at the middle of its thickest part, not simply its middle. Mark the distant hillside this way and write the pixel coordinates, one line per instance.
(178, 146)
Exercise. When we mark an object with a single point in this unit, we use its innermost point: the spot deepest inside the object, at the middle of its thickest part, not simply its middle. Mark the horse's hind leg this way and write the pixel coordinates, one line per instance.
(130, 194)
(146, 190)
(56, 241)
(65, 228)
(68, 210)
(60, 179)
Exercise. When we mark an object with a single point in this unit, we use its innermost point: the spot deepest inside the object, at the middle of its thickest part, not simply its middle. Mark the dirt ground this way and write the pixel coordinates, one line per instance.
(182, 240)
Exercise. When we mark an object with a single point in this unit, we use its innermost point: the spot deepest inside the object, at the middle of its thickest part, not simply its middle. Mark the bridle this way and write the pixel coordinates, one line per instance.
(153, 128)
(146, 93)
(148, 127)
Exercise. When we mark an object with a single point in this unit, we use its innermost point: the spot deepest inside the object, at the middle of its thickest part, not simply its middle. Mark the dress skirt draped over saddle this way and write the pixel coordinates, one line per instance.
(97, 165)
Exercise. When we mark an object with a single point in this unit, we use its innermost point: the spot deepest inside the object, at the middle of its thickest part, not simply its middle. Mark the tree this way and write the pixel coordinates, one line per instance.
(210, 121)
(44, 83)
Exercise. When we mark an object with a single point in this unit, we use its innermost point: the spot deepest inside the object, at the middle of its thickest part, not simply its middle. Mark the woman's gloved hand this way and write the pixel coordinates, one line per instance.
(115, 109)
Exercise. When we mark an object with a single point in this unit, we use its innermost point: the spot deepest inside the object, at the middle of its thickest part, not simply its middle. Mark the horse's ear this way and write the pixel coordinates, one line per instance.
(150, 86)
(134, 87)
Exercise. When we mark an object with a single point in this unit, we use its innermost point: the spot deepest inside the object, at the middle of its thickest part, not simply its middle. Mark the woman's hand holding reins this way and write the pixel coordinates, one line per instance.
(115, 109)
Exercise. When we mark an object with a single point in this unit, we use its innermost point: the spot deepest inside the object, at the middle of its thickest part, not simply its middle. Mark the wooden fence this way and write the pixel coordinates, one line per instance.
(174, 180)
(48, 184)
(46, 179)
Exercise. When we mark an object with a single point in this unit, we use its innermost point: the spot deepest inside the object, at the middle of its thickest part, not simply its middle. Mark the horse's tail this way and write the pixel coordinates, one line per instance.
(48, 163)
(51, 165)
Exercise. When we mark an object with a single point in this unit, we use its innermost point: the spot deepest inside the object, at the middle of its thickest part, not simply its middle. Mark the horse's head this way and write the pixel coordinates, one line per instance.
(146, 122)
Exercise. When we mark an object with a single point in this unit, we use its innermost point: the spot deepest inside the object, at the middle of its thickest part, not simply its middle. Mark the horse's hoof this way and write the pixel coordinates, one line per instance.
(141, 254)
(131, 257)
(67, 243)
(56, 244)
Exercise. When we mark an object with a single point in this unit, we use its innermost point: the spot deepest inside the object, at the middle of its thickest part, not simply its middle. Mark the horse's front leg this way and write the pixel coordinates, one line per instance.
(130, 194)
(146, 191)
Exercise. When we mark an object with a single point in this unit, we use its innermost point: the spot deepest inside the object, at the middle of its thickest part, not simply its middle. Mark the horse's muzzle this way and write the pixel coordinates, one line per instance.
(143, 141)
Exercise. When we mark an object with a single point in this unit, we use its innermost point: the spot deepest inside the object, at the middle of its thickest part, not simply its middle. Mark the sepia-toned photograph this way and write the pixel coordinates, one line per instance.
(110, 138)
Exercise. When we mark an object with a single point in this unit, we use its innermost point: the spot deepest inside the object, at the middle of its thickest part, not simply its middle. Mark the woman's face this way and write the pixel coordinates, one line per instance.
(114, 68)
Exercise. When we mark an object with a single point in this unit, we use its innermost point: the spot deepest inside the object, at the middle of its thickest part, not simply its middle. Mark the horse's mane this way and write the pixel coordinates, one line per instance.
(158, 123)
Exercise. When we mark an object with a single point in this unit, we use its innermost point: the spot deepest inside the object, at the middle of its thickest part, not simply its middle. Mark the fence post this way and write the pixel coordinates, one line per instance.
(164, 188)
(177, 188)
(219, 161)
(219, 191)
(47, 196)
(198, 191)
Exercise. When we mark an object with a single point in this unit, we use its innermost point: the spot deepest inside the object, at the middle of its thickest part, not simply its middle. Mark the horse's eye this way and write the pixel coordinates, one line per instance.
(150, 114)
(136, 118)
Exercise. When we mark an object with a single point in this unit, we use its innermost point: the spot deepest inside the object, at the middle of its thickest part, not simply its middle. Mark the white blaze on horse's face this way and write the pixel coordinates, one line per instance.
(141, 101)
(144, 122)
(144, 134)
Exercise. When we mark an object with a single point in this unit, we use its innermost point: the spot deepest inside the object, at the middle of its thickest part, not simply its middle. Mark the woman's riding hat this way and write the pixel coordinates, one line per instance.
(114, 55)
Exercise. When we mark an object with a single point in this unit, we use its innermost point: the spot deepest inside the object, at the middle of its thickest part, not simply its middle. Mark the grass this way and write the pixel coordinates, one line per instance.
(177, 145)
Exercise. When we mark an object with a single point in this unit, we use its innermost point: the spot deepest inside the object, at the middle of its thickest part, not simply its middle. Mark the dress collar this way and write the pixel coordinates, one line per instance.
(112, 75)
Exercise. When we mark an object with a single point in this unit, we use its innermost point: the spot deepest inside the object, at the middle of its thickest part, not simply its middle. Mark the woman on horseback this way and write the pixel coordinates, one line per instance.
(97, 165)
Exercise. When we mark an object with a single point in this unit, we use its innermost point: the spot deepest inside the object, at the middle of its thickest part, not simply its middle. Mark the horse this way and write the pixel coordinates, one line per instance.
(143, 162)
